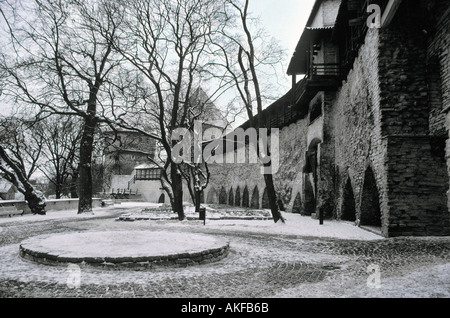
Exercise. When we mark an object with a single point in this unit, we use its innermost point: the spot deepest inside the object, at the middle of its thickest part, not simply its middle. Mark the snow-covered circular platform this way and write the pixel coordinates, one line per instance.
(124, 249)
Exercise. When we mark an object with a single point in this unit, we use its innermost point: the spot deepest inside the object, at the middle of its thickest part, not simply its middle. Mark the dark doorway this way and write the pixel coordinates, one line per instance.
(370, 201)
(297, 208)
(231, 197)
(245, 198)
(348, 204)
(255, 199)
(212, 196)
(223, 196)
(162, 198)
(310, 200)
(237, 198)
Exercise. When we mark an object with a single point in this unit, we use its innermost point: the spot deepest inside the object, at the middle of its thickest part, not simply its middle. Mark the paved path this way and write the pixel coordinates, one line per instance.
(260, 264)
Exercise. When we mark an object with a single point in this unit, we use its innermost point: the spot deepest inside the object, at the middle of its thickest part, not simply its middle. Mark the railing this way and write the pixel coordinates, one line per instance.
(132, 182)
(321, 77)
(326, 70)
(122, 193)
(318, 71)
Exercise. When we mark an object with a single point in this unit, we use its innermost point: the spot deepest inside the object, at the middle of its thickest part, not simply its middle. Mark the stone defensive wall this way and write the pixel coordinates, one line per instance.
(380, 140)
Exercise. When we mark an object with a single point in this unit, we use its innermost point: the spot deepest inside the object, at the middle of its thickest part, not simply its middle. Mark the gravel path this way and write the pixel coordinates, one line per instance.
(262, 263)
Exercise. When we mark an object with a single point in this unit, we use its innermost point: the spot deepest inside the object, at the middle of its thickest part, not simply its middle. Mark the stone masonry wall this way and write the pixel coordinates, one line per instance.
(326, 174)
(288, 180)
(380, 138)
(417, 178)
(356, 130)
(438, 55)
(349, 142)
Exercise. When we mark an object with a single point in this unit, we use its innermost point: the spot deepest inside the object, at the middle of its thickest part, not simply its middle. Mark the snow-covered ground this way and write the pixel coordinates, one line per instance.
(53, 215)
(295, 224)
(410, 278)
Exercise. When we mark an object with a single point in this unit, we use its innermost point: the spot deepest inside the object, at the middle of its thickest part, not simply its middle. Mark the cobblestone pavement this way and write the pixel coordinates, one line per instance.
(259, 265)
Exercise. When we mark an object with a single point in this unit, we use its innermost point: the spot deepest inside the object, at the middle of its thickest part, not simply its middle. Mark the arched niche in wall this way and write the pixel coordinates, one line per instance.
(255, 198)
(370, 201)
(348, 203)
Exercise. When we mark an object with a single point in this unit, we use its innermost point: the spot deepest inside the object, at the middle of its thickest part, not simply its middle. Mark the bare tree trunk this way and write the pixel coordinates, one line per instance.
(85, 166)
(58, 182)
(174, 190)
(34, 198)
(272, 195)
(197, 200)
(58, 190)
(177, 188)
(167, 186)
(74, 185)
(260, 123)
(268, 178)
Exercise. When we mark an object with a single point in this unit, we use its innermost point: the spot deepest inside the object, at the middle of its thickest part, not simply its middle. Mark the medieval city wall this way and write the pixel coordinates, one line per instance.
(348, 140)
(416, 167)
(380, 140)
(236, 177)
(358, 142)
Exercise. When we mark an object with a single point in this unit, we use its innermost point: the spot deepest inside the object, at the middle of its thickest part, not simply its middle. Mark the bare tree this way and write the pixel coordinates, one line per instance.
(20, 153)
(61, 61)
(60, 149)
(196, 171)
(247, 55)
(170, 41)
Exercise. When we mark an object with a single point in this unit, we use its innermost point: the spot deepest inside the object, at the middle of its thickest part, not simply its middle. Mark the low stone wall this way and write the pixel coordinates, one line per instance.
(19, 205)
(132, 263)
(52, 205)
(69, 204)
(138, 250)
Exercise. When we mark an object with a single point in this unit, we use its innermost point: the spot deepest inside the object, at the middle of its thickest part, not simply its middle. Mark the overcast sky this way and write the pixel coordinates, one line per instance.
(284, 19)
